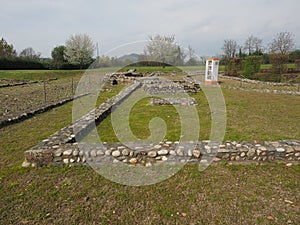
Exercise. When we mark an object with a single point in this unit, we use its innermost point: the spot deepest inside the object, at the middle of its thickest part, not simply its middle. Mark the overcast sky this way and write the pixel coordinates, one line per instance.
(44, 24)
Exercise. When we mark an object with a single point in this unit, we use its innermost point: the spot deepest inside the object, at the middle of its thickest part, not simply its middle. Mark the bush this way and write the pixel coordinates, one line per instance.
(279, 66)
(251, 65)
(64, 66)
(21, 64)
(270, 77)
(233, 67)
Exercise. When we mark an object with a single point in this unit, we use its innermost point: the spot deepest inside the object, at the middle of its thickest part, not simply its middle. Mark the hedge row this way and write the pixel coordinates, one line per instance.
(32, 64)
(19, 63)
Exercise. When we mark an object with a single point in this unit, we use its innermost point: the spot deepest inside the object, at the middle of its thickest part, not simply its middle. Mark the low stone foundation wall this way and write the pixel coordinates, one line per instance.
(284, 92)
(257, 81)
(173, 101)
(158, 86)
(61, 147)
(13, 83)
(66, 136)
(28, 113)
(168, 152)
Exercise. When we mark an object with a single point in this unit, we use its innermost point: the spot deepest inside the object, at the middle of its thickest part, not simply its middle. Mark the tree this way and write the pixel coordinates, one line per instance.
(29, 53)
(191, 52)
(282, 44)
(251, 65)
(58, 56)
(253, 45)
(241, 54)
(192, 61)
(6, 50)
(279, 66)
(164, 49)
(294, 55)
(79, 50)
(229, 48)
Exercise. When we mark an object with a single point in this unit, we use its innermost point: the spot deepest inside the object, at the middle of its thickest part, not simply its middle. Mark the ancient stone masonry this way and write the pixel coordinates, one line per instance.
(158, 86)
(168, 152)
(28, 113)
(264, 90)
(124, 78)
(258, 82)
(66, 135)
(296, 93)
(61, 148)
(153, 84)
(173, 101)
(13, 83)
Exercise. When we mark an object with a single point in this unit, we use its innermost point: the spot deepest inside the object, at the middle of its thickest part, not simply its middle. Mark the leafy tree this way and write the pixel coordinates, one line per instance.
(241, 54)
(104, 61)
(278, 62)
(58, 57)
(294, 55)
(251, 65)
(282, 44)
(164, 49)
(79, 50)
(192, 62)
(29, 53)
(297, 63)
(6, 50)
(265, 58)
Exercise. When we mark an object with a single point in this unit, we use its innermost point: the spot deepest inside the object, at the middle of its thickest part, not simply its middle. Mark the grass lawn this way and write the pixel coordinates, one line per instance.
(46, 74)
(268, 66)
(250, 116)
(222, 194)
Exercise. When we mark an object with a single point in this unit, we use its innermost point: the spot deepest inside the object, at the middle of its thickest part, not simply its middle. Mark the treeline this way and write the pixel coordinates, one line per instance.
(21, 64)
(78, 53)
(18, 63)
(245, 60)
(30, 59)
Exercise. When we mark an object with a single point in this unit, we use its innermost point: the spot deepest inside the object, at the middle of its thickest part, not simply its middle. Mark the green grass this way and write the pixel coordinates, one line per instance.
(268, 66)
(222, 194)
(46, 74)
(250, 116)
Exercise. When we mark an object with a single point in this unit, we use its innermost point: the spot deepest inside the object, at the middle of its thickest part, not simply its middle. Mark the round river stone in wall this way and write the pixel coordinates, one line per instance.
(116, 153)
(152, 154)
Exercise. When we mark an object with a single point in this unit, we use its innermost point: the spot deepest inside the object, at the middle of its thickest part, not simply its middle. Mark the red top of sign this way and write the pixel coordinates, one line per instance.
(215, 59)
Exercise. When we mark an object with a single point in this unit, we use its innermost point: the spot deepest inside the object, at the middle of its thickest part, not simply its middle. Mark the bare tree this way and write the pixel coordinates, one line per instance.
(191, 52)
(253, 44)
(29, 53)
(79, 49)
(192, 58)
(283, 43)
(229, 48)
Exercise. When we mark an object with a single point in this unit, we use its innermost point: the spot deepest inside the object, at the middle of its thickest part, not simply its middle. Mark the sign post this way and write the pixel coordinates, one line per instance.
(212, 71)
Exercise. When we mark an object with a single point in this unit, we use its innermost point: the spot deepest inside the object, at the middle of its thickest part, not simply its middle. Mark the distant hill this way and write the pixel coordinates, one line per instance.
(132, 57)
